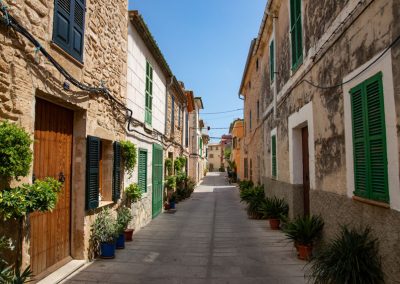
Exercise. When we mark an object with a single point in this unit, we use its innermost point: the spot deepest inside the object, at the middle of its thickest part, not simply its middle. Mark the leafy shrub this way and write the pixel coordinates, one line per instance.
(168, 166)
(274, 208)
(40, 196)
(351, 258)
(245, 184)
(104, 228)
(124, 216)
(304, 230)
(133, 192)
(129, 155)
(170, 182)
(255, 198)
(15, 151)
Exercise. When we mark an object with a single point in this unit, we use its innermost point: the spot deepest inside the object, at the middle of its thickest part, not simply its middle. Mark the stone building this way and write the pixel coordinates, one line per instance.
(195, 141)
(70, 126)
(226, 148)
(329, 79)
(214, 157)
(236, 130)
(175, 121)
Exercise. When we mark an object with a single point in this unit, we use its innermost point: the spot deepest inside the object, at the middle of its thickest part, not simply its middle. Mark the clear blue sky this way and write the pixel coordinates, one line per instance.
(206, 42)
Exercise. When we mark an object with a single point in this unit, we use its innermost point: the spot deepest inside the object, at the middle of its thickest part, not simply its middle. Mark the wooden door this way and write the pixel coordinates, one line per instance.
(157, 179)
(306, 171)
(50, 232)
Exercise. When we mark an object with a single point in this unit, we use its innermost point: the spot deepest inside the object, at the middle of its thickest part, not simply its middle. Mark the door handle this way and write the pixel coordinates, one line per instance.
(61, 177)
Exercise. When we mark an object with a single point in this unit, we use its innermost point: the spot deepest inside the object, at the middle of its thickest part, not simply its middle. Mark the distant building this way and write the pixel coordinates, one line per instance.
(214, 157)
(236, 130)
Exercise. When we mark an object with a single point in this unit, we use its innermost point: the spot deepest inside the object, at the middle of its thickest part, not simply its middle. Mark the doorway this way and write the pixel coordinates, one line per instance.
(51, 231)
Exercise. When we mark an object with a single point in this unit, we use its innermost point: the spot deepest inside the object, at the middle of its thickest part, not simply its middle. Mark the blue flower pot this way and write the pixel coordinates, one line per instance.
(121, 241)
(107, 250)
(172, 204)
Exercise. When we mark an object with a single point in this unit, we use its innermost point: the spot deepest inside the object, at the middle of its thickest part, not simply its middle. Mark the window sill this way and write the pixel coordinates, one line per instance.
(59, 49)
(105, 203)
(371, 202)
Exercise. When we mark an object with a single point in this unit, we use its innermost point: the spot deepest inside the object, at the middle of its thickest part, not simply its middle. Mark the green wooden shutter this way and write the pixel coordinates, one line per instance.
(116, 181)
(369, 140)
(92, 172)
(149, 94)
(296, 33)
(377, 139)
(142, 170)
(157, 180)
(273, 150)
(69, 26)
(271, 61)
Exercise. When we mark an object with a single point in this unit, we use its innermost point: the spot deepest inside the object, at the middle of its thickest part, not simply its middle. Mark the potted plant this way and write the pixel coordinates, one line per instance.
(124, 216)
(133, 192)
(172, 200)
(352, 257)
(254, 197)
(104, 232)
(274, 209)
(304, 231)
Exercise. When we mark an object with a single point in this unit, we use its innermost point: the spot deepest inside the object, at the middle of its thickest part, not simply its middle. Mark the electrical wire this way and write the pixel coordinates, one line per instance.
(219, 112)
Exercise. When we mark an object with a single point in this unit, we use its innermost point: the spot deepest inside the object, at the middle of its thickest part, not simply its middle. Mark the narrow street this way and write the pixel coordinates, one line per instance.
(208, 240)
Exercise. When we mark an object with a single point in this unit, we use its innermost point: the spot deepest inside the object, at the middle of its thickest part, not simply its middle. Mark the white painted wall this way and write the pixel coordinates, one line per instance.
(383, 65)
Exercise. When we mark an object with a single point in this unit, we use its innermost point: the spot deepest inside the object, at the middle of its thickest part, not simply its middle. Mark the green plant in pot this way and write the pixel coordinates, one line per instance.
(133, 192)
(352, 257)
(304, 231)
(254, 197)
(170, 183)
(104, 232)
(172, 200)
(124, 216)
(274, 209)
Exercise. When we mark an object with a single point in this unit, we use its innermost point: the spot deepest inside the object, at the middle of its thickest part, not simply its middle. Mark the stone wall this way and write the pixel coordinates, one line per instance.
(22, 79)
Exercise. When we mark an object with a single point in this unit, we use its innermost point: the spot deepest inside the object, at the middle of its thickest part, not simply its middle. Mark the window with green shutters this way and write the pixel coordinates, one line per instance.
(142, 170)
(92, 172)
(296, 33)
(273, 156)
(148, 119)
(369, 140)
(69, 26)
(272, 61)
(116, 181)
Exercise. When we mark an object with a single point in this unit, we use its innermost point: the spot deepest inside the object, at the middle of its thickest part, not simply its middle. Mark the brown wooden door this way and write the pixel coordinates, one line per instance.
(306, 171)
(50, 232)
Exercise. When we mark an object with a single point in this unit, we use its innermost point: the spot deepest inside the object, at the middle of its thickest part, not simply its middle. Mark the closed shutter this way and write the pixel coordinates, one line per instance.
(246, 168)
(172, 113)
(273, 155)
(271, 61)
(369, 140)
(92, 172)
(149, 94)
(296, 33)
(142, 170)
(69, 26)
(116, 182)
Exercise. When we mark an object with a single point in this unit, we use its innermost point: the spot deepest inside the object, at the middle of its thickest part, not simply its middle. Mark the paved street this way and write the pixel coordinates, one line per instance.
(208, 240)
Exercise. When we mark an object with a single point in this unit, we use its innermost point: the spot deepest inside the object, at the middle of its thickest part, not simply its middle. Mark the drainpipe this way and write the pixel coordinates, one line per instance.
(275, 73)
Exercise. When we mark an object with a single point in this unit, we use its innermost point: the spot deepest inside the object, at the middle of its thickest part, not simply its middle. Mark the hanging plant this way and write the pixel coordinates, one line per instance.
(168, 166)
(129, 154)
(133, 192)
(177, 165)
(15, 151)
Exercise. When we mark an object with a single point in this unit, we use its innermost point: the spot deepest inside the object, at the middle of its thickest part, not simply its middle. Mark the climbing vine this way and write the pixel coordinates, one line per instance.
(129, 154)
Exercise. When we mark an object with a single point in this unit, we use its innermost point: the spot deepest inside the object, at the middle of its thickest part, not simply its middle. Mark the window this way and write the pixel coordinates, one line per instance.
(251, 169)
(296, 33)
(246, 168)
(249, 84)
(369, 140)
(250, 121)
(272, 60)
(149, 94)
(179, 117)
(103, 172)
(69, 26)
(172, 114)
(142, 170)
(258, 110)
(273, 156)
(257, 64)
(211, 156)
(187, 130)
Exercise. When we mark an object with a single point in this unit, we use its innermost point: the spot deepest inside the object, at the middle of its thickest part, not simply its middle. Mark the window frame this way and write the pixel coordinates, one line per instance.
(148, 119)
(296, 30)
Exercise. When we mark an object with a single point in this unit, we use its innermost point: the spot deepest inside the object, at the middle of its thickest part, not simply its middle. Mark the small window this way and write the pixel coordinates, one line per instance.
(296, 33)
(273, 156)
(249, 84)
(257, 64)
(142, 170)
(69, 26)
(258, 110)
(149, 95)
(250, 120)
(172, 114)
(211, 156)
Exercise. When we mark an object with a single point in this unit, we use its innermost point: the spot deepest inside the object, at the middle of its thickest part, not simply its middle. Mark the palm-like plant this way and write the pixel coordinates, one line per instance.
(351, 258)
(304, 230)
(274, 208)
(254, 197)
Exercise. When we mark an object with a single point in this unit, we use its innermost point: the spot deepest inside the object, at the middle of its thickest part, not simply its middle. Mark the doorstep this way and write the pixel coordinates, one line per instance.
(63, 272)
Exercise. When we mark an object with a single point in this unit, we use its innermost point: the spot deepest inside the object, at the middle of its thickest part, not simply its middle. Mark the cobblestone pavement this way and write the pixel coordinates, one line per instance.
(208, 240)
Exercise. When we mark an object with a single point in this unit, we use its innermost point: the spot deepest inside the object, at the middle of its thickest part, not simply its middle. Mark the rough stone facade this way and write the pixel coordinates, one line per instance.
(340, 40)
(22, 80)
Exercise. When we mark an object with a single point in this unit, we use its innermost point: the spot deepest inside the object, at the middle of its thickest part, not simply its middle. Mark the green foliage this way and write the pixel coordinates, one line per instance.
(245, 184)
(177, 165)
(124, 216)
(20, 201)
(351, 258)
(168, 166)
(129, 155)
(133, 192)
(15, 151)
(227, 153)
(255, 198)
(304, 230)
(274, 208)
(170, 182)
(104, 228)
(184, 186)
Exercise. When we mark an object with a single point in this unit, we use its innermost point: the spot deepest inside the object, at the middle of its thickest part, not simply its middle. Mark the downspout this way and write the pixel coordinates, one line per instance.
(275, 73)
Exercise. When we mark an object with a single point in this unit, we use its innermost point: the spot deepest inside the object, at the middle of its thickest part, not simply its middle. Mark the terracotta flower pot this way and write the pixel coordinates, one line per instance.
(305, 251)
(128, 234)
(274, 224)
